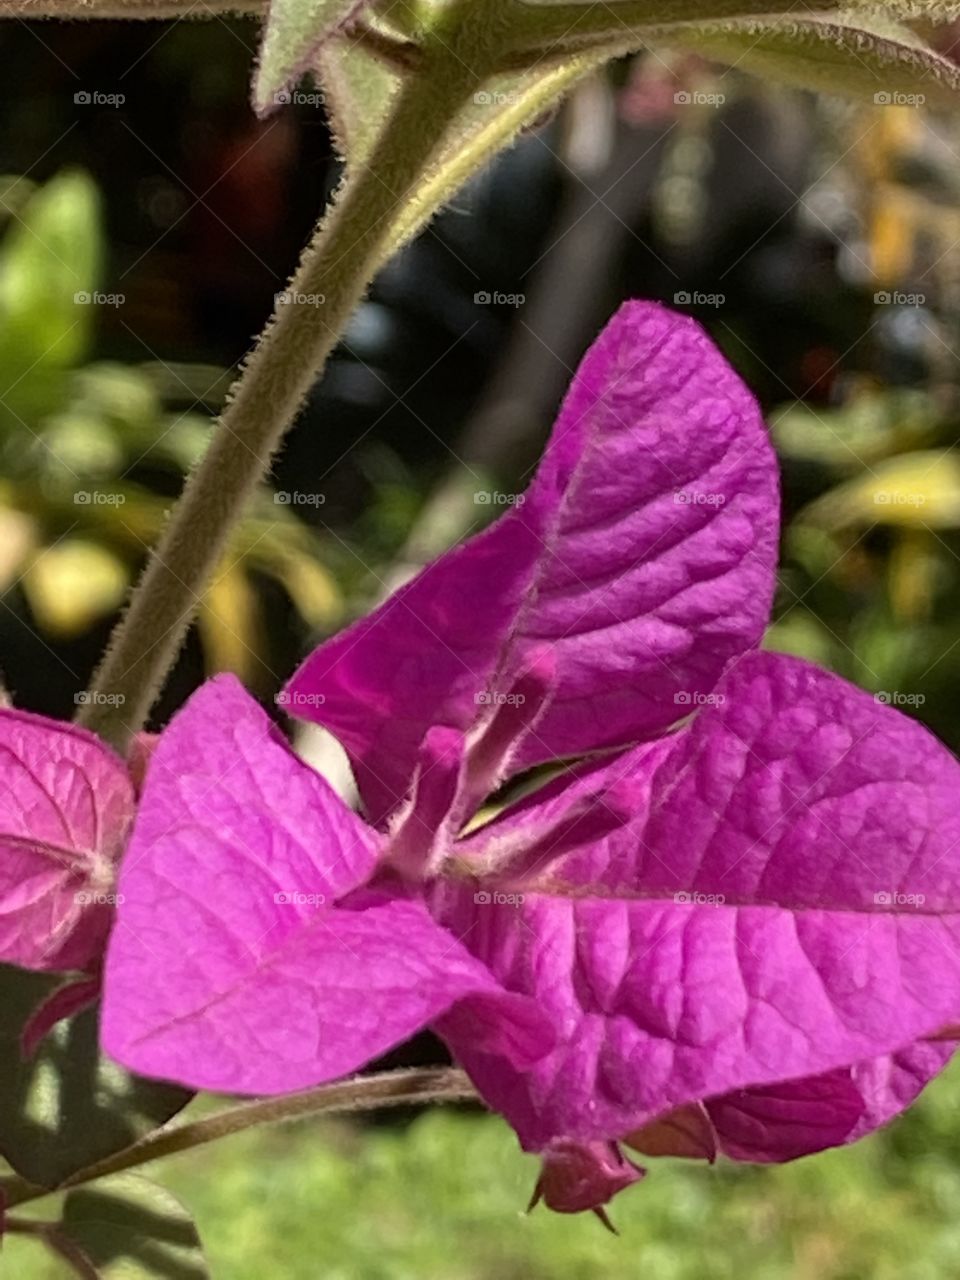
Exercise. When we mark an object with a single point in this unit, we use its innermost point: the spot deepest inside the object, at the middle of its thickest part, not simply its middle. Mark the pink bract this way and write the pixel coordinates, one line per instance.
(741, 905)
(66, 806)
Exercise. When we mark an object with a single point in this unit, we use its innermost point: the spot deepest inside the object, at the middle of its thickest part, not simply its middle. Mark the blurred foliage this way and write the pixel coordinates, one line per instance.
(864, 409)
(443, 1199)
(870, 575)
(91, 453)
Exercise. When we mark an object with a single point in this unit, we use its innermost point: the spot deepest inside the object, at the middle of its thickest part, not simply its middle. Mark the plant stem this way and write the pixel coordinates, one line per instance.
(538, 27)
(350, 245)
(366, 1093)
(401, 55)
(105, 9)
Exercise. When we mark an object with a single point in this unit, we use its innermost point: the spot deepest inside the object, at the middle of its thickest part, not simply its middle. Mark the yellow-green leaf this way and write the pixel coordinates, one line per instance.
(73, 584)
(230, 626)
(913, 490)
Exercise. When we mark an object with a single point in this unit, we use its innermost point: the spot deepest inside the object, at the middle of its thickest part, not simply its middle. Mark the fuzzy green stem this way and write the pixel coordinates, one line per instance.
(537, 27)
(105, 9)
(351, 243)
(366, 1093)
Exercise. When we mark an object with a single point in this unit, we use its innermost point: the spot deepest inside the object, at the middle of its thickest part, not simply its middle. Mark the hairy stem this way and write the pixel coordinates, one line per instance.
(367, 1093)
(400, 54)
(104, 9)
(351, 243)
(538, 27)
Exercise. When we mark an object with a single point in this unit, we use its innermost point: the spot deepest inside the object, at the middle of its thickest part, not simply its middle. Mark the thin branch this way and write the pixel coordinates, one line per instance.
(365, 1093)
(106, 9)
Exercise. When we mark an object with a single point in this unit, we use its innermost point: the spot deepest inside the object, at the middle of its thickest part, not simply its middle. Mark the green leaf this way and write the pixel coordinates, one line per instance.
(49, 270)
(131, 1229)
(68, 1107)
(293, 32)
(888, 63)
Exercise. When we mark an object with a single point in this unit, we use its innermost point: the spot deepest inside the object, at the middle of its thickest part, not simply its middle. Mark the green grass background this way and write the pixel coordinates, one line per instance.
(441, 1197)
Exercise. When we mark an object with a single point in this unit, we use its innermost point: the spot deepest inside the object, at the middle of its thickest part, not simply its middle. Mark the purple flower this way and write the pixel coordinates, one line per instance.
(730, 924)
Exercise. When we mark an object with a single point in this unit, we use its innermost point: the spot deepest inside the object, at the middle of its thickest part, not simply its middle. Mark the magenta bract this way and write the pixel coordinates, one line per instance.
(742, 904)
(66, 806)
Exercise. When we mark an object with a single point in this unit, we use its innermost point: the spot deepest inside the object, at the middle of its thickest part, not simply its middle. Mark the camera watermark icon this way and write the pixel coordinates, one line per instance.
(298, 98)
(486, 698)
(296, 498)
(94, 698)
(698, 498)
(694, 899)
(294, 298)
(96, 299)
(490, 98)
(894, 698)
(94, 98)
(292, 698)
(89, 898)
(293, 898)
(494, 898)
(696, 98)
(691, 698)
(686, 298)
(98, 498)
(894, 98)
(498, 299)
(897, 298)
(491, 498)
(894, 898)
(896, 498)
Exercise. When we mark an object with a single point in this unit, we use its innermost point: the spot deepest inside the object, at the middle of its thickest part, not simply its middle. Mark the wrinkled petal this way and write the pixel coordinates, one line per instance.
(791, 788)
(787, 905)
(783, 1121)
(799, 1117)
(234, 964)
(642, 558)
(890, 1084)
(66, 803)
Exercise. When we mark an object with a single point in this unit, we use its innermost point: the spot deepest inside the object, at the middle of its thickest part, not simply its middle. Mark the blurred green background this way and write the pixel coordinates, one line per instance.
(141, 244)
(442, 1197)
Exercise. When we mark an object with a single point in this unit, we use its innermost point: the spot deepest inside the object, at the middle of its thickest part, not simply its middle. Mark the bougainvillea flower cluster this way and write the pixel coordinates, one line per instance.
(715, 903)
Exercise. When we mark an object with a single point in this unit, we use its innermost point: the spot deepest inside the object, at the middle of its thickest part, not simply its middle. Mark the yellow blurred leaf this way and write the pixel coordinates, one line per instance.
(912, 571)
(915, 490)
(229, 624)
(314, 591)
(18, 536)
(71, 585)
